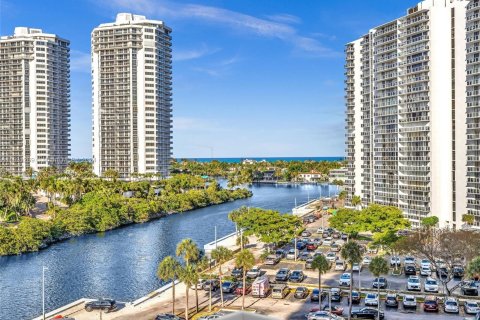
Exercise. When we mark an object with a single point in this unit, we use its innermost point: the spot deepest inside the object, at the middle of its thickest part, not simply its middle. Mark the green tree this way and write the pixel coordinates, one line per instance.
(168, 270)
(189, 276)
(242, 240)
(473, 268)
(111, 174)
(469, 219)
(356, 201)
(429, 222)
(221, 255)
(245, 260)
(378, 266)
(321, 264)
(342, 195)
(188, 249)
(351, 253)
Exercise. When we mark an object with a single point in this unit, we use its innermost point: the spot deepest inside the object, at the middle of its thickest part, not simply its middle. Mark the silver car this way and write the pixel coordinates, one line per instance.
(471, 307)
(451, 305)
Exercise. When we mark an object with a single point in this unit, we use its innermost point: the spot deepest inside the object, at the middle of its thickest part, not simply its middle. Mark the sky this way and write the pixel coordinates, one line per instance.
(250, 78)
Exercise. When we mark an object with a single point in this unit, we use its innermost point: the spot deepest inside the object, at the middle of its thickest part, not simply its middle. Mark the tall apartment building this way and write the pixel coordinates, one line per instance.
(413, 112)
(132, 96)
(34, 101)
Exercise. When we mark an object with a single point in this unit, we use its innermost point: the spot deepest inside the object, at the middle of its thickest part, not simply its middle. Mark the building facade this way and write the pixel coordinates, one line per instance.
(132, 96)
(412, 119)
(34, 101)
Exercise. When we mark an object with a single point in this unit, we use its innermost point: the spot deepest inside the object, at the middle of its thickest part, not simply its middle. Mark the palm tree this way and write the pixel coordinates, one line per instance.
(189, 276)
(377, 267)
(245, 260)
(221, 255)
(242, 240)
(351, 253)
(168, 270)
(356, 201)
(469, 219)
(321, 264)
(188, 249)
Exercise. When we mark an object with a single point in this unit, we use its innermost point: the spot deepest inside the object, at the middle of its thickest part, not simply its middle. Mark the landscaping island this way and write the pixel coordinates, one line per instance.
(80, 204)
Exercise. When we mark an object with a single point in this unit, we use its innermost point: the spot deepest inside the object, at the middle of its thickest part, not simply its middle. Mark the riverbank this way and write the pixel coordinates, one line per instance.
(98, 212)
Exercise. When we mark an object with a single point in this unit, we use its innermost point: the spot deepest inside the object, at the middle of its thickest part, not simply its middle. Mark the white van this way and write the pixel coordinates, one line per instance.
(279, 291)
(261, 287)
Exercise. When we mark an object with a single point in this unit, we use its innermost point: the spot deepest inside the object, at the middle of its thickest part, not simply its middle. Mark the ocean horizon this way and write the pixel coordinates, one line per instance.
(268, 159)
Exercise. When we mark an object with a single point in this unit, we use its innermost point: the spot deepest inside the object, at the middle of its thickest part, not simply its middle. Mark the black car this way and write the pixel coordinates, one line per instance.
(367, 313)
(297, 276)
(356, 297)
(410, 270)
(380, 282)
(301, 293)
(237, 272)
(280, 253)
(103, 304)
(229, 286)
(282, 275)
(391, 300)
(469, 288)
(315, 295)
(168, 316)
(335, 295)
(442, 272)
(458, 272)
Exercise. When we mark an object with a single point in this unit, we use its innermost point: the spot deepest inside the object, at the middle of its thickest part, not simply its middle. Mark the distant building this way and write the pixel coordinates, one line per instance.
(310, 177)
(132, 96)
(34, 101)
(338, 174)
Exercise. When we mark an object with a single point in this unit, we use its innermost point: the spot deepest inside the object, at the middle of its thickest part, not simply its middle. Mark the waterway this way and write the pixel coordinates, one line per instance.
(121, 264)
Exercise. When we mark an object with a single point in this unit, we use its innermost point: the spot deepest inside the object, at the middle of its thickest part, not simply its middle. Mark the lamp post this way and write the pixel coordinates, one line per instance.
(43, 291)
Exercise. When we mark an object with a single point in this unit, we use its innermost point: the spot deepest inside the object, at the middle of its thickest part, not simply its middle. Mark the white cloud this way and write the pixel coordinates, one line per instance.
(234, 20)
(191, 54)
(80, 61)
(284, 18)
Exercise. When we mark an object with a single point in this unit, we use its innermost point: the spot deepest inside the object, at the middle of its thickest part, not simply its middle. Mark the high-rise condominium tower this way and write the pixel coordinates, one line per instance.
(34, 101)
(413, 113)
(132, 103)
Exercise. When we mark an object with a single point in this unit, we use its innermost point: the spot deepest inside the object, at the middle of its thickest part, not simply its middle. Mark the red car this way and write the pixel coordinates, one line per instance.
(430, 304)
(311, 246)
(239, 290)
(336, 310)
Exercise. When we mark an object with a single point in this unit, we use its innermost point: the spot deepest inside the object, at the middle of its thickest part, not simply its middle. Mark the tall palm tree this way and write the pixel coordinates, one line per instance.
(245, 260)
(351, 253)
(221, 255)
(168, 270)
(321, 264)
(377, 267)
(188, 249)
(242, 240)
(356, 201)
(189, 276)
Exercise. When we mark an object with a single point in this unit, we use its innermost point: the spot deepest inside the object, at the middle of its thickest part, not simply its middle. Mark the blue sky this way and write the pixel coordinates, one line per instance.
(250, 78)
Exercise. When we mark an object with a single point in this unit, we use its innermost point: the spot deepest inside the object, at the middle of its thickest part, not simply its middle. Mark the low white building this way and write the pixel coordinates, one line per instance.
(309, 177)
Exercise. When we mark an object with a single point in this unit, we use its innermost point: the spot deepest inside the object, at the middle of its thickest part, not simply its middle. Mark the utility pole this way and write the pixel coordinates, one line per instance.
(43, 291)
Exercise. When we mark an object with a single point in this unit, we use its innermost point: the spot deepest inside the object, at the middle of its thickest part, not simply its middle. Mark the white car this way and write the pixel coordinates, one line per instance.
(431, 285)
(320, 230)
(327, 242)
(451, 305)
(199, 284)
(413, 283)
(425, 271)
(323, 315)
(331, 256)
(409, 301)
(395, 261)
(471, 307)
(254, 272)
(357, 267)
(340, 265)
(345, 280)
(409, 260)
(291, 254)
(425, 263)
(367, 260)
(371, 299)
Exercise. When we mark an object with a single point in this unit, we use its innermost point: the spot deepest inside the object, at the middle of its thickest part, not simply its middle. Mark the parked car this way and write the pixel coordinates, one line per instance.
(239, 290)
(334, 247)
(327, 242)
(229, 286)
(391, 300)
(425, 263)
(367, 313)
(409, 260)
(322, 315)
(471, 307)
(301, 245)
(344, 236)
(237, 272)
(214, 284)
(315, 296)
(279, 291)
(356, 297)
(331, 256)
(371, 299)
(336, 235)
(395, 261)
(458, 271)
(168, 316)
(297, 276)
(301, 293)
(380, 282)
(325, 234)
(431, 285)
(291, 254)
(102, 304)
(306, 233)
(430, 304)
(425, 271)
(409, 302)
(317, 241)
(366, 260)
(280, 253)
(198, 285)
(357, 267)
(345, 280)
(451, 305)
(309, 263)
(442, 272)
(340, 265)
(414, 284)
(254, 272)
(304, 256)
(312, 246)
(272, 260)
(469, 288)
(282, 275)
(320, 230)
(337, 310)
(410, 269)
(335, 295)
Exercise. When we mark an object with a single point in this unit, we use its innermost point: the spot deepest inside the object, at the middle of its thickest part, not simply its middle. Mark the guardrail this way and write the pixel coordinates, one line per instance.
(71, 307)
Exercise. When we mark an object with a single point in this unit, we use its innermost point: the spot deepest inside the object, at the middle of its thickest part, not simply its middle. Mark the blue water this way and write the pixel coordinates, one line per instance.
(121, 263)
(268, 159)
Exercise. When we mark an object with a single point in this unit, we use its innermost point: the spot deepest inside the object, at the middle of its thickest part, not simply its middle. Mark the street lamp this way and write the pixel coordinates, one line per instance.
(43, 291)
